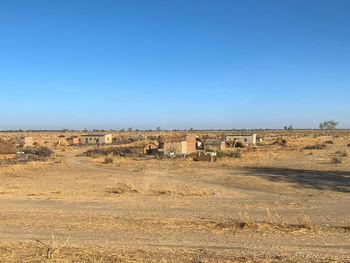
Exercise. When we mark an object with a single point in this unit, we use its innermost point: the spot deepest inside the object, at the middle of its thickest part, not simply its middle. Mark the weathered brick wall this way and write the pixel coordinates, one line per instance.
(191, 143)
(175, 147)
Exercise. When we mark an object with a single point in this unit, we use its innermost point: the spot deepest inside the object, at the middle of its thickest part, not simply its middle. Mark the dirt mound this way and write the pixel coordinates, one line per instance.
(7, 148)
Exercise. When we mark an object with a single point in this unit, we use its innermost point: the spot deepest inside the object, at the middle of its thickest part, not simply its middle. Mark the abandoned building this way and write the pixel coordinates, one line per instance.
(96, 138)
(214, 144)
(249, 139)
(143, 147)
(199, 144)
(259, 139)
(73, 140)
(150, 148)
(177, 145)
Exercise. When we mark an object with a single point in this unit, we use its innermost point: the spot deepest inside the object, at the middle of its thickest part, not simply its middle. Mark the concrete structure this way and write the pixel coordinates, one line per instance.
(96, 138)
(150, 148)
(214, 145)
(249, 139)
(178, 145)
(259, 139)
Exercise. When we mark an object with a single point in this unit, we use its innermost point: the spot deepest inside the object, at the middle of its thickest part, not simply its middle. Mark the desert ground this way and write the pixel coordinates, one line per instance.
(276, 203)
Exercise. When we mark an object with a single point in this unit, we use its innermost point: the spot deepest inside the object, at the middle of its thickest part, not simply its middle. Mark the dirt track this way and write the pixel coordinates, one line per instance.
(176, 207)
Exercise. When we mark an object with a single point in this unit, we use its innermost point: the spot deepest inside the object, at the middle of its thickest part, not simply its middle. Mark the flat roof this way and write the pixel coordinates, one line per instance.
(240, 135)
(93, 135)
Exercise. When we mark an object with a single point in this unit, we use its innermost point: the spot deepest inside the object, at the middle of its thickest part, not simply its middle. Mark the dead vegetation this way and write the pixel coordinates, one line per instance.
(336, 160)
(342, 153)
(110, 151)
(122, 188)
(6, 147)
(315, 147)
(28, 252)
(53, 248)
(163, 202)
(280, 141)
(41, 151)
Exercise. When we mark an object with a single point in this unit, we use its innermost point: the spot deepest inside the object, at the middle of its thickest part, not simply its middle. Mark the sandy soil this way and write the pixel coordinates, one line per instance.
(275, 204)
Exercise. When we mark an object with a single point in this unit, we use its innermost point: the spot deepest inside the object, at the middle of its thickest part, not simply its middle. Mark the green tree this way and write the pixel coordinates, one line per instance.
(329, 125)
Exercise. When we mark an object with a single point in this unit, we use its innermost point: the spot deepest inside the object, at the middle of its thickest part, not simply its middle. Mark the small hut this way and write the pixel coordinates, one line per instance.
(73, 140)
(215, 144)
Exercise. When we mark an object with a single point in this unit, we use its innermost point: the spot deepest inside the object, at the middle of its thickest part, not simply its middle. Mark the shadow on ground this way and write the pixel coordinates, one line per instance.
(322, 180)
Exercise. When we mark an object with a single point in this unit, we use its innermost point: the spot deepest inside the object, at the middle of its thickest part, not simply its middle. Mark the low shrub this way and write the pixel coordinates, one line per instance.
(122, 188)
(315, 147)
(329, 142)
(342, 153)
(336, 160)
(115, 151)
(228, 154)
(108, 160)
(42, 151)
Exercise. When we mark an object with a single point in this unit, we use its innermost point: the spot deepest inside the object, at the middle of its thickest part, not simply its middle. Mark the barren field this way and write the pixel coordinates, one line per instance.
(277, 203)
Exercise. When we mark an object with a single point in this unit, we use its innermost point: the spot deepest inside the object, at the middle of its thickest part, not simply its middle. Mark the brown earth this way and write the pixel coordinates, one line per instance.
(275, 204)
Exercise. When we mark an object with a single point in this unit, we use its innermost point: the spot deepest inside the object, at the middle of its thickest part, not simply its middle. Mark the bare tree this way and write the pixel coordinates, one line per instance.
(288, 128)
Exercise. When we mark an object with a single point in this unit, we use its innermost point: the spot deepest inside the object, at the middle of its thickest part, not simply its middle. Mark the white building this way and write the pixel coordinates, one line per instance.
(95, 138)
(249, 139)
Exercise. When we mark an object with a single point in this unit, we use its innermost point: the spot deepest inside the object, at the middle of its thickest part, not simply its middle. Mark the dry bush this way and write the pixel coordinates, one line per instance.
(336, 160)
(42, 151)
(280, 141)
(228, 154)
(342, 153)
(304, 221)
(315, 147)
(108, 160)
(122, 188)
(329, 142)
(112, 151)
(53, 247)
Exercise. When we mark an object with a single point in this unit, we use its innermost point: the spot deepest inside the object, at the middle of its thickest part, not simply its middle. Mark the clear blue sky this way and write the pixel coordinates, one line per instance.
(174, 64)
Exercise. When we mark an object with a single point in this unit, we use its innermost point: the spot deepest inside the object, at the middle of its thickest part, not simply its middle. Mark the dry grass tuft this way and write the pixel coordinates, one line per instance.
(29, 252)
(53, 248)
(122, 188)
(304, 221)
